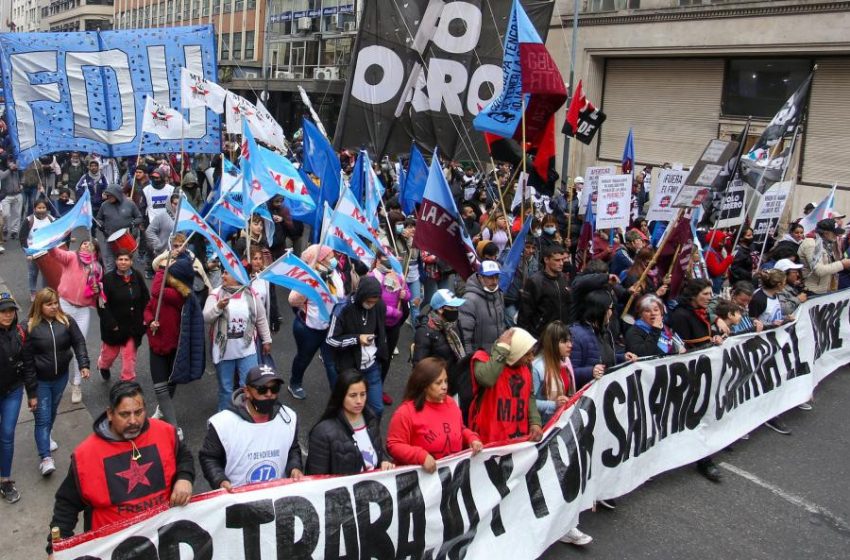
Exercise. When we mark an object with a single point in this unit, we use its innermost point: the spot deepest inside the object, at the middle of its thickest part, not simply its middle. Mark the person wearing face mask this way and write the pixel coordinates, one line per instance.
(237, 318)
(396, 295)
(410, 259)
(39, 218)
(130, 464)
(309, 330)
(742, 263)
(549, 234)
(358, 335)
(437, 334)
(504, 406)
(819, 258)
(255, 439)
(482, 316)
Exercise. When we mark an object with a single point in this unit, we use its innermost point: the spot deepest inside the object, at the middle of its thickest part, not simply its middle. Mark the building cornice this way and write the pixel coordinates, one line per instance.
(690, 14)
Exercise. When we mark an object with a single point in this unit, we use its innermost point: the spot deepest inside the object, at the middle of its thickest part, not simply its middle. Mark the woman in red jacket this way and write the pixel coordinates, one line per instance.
(715, 262)
(428, 426)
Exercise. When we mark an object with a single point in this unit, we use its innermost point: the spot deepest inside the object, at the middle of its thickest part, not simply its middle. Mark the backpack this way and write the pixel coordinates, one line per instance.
(460, 384)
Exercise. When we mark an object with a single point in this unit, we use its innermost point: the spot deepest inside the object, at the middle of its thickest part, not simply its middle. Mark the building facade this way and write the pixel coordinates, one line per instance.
(25, 15)
(682, 72)
(76, 15)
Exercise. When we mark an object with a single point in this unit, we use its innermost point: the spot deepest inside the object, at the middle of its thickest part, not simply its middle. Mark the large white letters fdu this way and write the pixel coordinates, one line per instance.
(32, 83)
(445, 80)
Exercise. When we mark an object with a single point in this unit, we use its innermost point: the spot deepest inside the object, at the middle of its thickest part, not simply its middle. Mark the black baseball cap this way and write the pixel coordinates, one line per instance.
(260, 375)
(8, 302)
(830, 225)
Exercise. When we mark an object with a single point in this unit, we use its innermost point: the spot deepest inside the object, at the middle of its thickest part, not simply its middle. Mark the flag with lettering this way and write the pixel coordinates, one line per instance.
(340, 235)
(291, 272)
(531, 77)
(189, 220)
(196, 91)
(348, 207)
(163, 121)
(583, 119)
(439, 229)
(54, 233)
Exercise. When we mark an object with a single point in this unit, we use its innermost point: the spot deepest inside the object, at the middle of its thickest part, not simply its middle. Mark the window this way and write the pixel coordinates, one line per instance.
(249, 45)
(759, 86)
(612, 5)
(237, 46)
(225, 49)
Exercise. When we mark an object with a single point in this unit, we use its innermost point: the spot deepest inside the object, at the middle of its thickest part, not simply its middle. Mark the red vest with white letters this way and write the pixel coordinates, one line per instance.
(500, 412)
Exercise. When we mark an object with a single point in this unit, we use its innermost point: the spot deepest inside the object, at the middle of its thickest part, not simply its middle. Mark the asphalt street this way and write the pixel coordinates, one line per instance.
(781, 497)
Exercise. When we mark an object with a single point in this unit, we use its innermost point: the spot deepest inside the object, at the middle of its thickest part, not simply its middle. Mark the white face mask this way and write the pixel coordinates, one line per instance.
(491, 290)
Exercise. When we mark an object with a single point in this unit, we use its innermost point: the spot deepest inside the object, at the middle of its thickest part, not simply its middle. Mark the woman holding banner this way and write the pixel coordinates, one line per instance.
(649, 336)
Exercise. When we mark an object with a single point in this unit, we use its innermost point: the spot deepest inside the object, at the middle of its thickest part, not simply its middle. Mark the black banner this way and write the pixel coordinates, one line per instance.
(423, 69)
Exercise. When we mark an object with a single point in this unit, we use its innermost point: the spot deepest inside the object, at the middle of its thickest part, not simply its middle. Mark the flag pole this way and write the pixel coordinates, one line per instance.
(565, 157)
(524, 158)
(570, 191)
(168, 263)
(501, 198)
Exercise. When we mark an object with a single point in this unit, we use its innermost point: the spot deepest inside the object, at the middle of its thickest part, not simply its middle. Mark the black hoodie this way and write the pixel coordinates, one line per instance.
(350, 320)
(12, 372)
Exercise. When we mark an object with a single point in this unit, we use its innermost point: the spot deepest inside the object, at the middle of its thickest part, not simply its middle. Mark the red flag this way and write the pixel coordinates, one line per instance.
(546, 150)
(576, 104)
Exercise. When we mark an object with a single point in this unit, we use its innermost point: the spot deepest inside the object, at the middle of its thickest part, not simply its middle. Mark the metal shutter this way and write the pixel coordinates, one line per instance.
(825, 156)
(673, 105)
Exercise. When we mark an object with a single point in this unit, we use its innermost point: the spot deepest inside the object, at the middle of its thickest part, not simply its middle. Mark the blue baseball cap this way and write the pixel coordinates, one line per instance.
(490, 268)
(445, 298)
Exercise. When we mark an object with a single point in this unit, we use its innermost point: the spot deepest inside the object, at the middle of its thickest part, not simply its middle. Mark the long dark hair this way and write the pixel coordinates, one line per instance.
(596, 305)
(345, 380)
(424, 373)
(692, 289)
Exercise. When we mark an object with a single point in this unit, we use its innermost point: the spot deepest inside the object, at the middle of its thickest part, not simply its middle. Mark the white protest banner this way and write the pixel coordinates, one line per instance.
(510, 501)
(668, 185)
(769, 211)
(613, 208)
(732, 209)
(591, 185)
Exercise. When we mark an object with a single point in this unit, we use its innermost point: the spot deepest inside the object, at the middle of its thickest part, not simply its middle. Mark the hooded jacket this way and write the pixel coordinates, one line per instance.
(159, 230)
(333, 449)
(122, 214)
(49, 347)
(213, 455)
(482, 316)
(12, 372)
(352, 320)
(122, 317)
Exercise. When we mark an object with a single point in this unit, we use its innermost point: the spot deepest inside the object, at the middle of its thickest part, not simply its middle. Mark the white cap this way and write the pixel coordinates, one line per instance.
(578, 179)
(489, 268)
(786, 264)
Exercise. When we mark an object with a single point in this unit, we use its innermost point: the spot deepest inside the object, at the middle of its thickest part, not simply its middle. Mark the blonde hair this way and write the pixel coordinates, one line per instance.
(46, 295)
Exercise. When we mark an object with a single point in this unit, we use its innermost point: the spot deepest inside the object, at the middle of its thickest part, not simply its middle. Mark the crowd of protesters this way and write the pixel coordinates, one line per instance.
(568, 315)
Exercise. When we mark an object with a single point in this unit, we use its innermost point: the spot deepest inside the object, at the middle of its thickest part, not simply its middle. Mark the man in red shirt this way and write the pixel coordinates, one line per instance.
(130, 464)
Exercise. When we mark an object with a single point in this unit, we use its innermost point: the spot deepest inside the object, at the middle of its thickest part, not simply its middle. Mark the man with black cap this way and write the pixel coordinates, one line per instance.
(255, 439)
(819, 257)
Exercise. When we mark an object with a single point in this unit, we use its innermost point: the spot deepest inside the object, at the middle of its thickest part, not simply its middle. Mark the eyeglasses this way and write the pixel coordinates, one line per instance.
(275, 389)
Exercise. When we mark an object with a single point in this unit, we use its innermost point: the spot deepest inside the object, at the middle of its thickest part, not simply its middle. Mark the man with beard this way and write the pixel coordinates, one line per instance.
(470, 220)
(73, 170)
(129, 465)
(819, 258)
(255, 439)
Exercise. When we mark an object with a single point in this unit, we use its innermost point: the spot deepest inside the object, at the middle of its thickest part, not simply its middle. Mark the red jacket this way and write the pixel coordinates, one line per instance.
(165, 340)
(437, 430)
(501, 412)
(716, 265)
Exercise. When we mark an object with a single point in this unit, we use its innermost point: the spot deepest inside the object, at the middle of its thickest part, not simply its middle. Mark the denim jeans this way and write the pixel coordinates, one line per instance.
(307, 342)
(82, 315)
(10, 408)
(33, 276)
(226, 369)
(415, 301)
(49, 394)
(374, 388)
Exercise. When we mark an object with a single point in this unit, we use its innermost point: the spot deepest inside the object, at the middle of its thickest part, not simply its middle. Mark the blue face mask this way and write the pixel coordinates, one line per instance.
(550, 230)
(333, 264)
(399, 228)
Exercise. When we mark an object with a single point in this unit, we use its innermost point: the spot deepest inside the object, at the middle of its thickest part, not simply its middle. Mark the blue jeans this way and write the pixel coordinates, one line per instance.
(49, 394)
(33, 276)
(226, 369)
(307, 342)
(374, 388)
(10, 408)
(415, 294)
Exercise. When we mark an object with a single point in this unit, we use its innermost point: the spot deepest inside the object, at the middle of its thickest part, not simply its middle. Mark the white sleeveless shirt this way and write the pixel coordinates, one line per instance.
(255, 452)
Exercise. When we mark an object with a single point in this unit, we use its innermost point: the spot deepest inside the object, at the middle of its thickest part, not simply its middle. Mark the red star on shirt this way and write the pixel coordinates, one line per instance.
(135, 475)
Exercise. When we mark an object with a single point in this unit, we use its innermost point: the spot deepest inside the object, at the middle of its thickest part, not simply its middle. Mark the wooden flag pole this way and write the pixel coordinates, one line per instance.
(501, 197)
(524, 163)
(167, 265)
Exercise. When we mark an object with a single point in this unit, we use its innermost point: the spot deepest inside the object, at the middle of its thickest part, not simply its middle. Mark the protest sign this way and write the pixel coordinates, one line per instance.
(86, 91)
(769, 211)
(510, 501)
(709, 172)
(591, 182)
(732, 210)
(668, 185)
(613, 208)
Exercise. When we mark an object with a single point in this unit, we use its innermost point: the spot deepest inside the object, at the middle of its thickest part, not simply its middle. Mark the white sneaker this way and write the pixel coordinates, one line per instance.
(157, 413)
(76, 394)
(53, 445)
(395, 351)
(47, 466)
(2, 249)
(180, 434)
(576, 537)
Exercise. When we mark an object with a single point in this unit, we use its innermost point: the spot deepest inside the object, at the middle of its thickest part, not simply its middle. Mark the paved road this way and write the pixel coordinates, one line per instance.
(782, 497)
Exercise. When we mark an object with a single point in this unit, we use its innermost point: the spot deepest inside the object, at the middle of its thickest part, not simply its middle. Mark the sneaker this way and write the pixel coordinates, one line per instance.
(388, 400)
(47, 466)
(576, 537)
(709, 470)
(745, 436)
(76, 394)
(3, 250)
(53, 445)
(607, 504)
(9, 492)
(180, 434)
(805, 406)
(778, 426)
(105, 373)
(395, 351)
(297, 392)
(157, 413)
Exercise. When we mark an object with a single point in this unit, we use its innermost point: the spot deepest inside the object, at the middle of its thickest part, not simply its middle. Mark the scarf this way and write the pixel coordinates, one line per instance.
(668, 341)
(94, 276)
(449, 330)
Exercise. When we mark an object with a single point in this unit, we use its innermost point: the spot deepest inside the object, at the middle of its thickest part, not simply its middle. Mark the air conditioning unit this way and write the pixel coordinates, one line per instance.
(333, 22)
(251, 74)
(350, 26)
(284, 75)
(305, 24)
(326, 73)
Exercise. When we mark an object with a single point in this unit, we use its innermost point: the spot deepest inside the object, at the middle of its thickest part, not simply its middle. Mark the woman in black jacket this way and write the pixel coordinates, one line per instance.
(437, 334)
(53, 338)
(12, 382)
(649, 336)
(122, 322)
(347, 439)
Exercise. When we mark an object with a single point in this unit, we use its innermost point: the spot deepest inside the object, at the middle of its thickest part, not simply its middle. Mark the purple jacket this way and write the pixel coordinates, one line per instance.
(393, 300)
